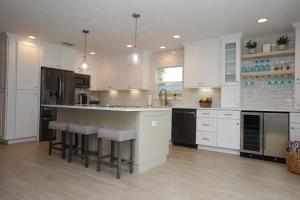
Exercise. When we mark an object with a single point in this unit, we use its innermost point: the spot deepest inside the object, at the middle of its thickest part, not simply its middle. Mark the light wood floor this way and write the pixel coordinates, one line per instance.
(28, 173)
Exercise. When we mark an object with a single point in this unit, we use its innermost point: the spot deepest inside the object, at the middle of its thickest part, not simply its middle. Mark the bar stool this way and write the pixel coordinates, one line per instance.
(118, 137)
(85, 131)
(63, 128)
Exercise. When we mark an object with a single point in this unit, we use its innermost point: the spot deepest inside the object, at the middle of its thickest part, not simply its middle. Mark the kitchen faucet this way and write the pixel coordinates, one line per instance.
(166, 97)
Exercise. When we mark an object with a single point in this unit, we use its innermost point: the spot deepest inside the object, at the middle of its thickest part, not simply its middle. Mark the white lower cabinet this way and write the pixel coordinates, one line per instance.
(2, 113)
(228, 135)
(294, 126)
(219, 129)
(26, 114)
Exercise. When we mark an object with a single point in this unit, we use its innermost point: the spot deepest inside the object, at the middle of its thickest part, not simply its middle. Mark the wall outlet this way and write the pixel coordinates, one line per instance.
(154, 123)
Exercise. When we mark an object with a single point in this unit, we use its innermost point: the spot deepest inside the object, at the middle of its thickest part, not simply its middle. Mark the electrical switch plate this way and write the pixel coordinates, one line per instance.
(154, 123)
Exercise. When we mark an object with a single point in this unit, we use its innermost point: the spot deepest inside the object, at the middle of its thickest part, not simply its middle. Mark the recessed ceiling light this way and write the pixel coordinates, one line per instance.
(129, 45)
(31, 37)
(92, 53)
(162, 47)
(262, 20)
(176, 36)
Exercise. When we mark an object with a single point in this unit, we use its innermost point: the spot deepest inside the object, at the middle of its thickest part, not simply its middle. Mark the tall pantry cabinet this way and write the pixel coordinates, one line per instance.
(231, 65)
(19, 89)
(297, 66)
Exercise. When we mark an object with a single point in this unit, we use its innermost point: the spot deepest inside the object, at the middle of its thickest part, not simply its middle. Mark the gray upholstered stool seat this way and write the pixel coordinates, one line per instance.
(56, 125)
(63, 128)
(85, 130)
(116, 136)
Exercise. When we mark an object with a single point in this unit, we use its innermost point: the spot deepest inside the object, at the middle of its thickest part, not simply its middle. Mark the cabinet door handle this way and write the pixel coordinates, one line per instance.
(298, 79)
(237, 123)
(226, 114)
(205, 138)
(205, 124)
(292, 128)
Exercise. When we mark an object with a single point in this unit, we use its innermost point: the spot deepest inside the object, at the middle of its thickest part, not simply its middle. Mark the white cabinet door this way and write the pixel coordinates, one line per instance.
(231, 59)
(3, 60)
(27, 66)
(230, 97)
(297, 96)
(67, 58)
(50, 55)
(295, 132)
(130, 75)
(26, 114)
(110, 73)
(228, 135)
(2, 112)
(192, 66)
(211, 63)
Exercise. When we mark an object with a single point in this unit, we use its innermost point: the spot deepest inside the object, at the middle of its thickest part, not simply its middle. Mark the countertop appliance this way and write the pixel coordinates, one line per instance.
(82, 81)
(264, 135)
(82, 98)
(184, 127)
(58, 88)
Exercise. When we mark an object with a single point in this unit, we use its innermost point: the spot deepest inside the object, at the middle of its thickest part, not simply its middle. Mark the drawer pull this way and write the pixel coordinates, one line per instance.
(205, 138)
(205, 124)
(205, 113)
(228, 114)
(292, 128)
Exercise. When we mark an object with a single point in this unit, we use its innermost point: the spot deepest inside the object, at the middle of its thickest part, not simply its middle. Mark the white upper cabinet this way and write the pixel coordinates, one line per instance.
(192, 66)
(134, 76)
(297, 96)
(110, 73)
(118, 73)
(202, 67)
(231, 59)
(230, 97)
(57, 56)
(3, 60)
(67, 58)
(27, 65)
(297, 53)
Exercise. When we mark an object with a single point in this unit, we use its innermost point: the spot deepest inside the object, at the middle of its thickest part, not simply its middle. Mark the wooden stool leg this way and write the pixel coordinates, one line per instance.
(82, 145)
(86, 152)
(131, 155)
(99, 157)
(63, 144)
(119, 160)
(50, 142)
(70, 146)
(112, 153)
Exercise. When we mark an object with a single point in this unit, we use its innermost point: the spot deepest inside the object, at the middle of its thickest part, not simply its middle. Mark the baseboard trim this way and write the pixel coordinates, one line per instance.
(20, 140)
(141, 168)
(218, 149)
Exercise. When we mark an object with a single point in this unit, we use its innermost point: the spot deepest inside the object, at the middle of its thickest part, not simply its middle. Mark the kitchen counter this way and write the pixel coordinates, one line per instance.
(111, 108)
(152, 126)
(242, 109)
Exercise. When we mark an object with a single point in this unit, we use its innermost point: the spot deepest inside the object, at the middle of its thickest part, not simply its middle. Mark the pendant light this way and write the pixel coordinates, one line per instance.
(136, 56)
(84, 66)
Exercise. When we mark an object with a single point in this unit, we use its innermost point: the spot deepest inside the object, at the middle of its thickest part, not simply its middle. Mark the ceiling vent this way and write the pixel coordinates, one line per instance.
(67, 44)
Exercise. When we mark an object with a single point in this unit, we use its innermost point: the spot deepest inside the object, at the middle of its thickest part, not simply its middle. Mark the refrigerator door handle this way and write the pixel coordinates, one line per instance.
(60, 89)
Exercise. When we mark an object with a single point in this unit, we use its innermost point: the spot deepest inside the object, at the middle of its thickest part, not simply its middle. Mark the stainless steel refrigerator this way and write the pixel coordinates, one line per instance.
(57, 88)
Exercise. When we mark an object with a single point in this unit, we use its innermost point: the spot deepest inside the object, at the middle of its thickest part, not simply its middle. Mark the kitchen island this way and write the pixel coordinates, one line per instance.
(152, 126)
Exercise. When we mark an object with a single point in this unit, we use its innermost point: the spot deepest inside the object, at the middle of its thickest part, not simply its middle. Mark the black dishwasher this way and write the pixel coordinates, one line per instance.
(184, 127)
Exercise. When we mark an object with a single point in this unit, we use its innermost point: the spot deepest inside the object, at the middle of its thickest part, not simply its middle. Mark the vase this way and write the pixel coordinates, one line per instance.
(282, 47)
(252, 51)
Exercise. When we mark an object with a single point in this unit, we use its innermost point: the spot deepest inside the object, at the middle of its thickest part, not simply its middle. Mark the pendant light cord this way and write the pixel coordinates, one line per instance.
(135, 34)
(84, 56)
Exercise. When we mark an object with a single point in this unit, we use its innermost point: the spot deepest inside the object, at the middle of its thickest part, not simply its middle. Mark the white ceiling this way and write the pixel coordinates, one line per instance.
(111, 24)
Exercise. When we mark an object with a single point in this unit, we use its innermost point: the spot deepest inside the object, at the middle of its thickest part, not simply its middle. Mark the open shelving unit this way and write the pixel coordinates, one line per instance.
(278, 73)
(269, 54)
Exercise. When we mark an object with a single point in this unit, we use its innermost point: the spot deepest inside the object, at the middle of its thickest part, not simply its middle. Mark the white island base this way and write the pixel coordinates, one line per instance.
(153, 130)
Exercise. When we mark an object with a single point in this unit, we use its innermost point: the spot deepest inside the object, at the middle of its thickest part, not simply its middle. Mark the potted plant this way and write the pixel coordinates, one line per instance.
(251, 46)
(282, 42)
